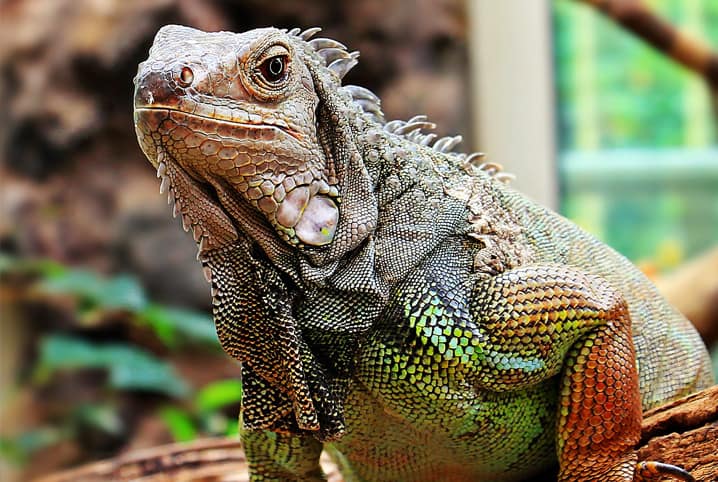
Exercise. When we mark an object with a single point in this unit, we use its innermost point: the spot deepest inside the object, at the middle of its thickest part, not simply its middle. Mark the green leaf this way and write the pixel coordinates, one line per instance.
(19, 449)
(179, 423)
(122, 292)
(100, 416)
(59, 352)
(232, 428)
(214, 423)
(76, 282)
(173, 324)
(218, 394)
(129, 367)
(156, 318)
(44, 267)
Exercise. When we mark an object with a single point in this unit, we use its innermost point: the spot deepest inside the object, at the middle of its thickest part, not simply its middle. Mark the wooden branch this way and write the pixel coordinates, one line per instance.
(209, 460)
(693, 289)
(684, 432)
(206, 460)
(637, 18)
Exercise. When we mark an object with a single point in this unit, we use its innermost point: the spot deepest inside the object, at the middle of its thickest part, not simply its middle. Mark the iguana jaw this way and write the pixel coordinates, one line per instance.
(196, 205)
(294, 196)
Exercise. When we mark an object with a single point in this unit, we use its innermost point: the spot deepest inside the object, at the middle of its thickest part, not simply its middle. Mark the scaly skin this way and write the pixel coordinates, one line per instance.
(390, 300)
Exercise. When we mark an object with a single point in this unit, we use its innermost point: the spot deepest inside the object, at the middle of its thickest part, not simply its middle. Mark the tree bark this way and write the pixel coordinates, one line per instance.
(636, 17)
(684, 433)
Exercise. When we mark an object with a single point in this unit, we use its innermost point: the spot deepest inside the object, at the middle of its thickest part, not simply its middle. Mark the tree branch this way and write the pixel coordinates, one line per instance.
(693, 53)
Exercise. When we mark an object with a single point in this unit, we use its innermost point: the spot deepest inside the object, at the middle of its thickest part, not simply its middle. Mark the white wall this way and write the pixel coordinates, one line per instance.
(512, 90)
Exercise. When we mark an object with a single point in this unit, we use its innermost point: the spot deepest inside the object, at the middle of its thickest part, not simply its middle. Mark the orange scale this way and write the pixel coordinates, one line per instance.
(595, 421)
(584, 441)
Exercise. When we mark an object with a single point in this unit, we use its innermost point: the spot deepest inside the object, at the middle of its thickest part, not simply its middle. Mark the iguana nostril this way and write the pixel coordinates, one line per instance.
(186, 77)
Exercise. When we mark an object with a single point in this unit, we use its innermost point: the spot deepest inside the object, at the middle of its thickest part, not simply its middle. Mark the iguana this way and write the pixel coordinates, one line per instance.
(389, 299)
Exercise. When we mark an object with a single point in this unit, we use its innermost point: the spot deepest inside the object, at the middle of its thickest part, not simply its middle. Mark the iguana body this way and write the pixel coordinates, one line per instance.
(389, 296)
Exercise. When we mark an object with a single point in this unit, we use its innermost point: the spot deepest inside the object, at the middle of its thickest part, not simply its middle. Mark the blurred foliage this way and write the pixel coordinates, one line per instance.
(20, 448)
(617, 92)
(130, 368)
(217, 395)
(172, 325)
(658, 207)
(95, 293)
(206, 413)
(95, 296)
(638, 160)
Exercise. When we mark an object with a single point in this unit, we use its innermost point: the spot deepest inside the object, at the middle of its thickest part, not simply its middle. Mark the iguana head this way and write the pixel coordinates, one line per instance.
(235, 120)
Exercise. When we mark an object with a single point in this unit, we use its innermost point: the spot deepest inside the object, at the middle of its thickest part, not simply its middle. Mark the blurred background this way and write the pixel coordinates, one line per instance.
(106, 343)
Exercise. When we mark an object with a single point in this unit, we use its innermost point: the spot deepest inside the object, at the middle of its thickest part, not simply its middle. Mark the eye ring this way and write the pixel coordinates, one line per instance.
(268, 72)
(274, 69)
(185, 77)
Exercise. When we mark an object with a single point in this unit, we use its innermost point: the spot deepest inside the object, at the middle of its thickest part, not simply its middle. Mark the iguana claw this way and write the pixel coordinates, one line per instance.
(650, 470)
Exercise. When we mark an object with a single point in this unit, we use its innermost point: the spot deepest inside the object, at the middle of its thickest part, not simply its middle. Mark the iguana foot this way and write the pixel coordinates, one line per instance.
(627, 470)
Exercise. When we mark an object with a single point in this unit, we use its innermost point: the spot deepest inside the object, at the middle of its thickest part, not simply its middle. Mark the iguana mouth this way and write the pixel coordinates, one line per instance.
(251, 121)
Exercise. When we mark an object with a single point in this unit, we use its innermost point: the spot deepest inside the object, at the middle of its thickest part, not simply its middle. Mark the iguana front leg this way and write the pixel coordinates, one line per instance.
(279, 457)
(536, 322)
(523, 329)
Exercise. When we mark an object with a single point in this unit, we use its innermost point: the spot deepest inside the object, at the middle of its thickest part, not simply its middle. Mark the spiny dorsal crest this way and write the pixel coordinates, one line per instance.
(339, 60)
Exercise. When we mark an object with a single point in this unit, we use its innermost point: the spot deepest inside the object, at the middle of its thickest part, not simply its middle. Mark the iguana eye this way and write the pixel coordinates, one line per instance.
(274, 69)
(269, 71)
(186, 76)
